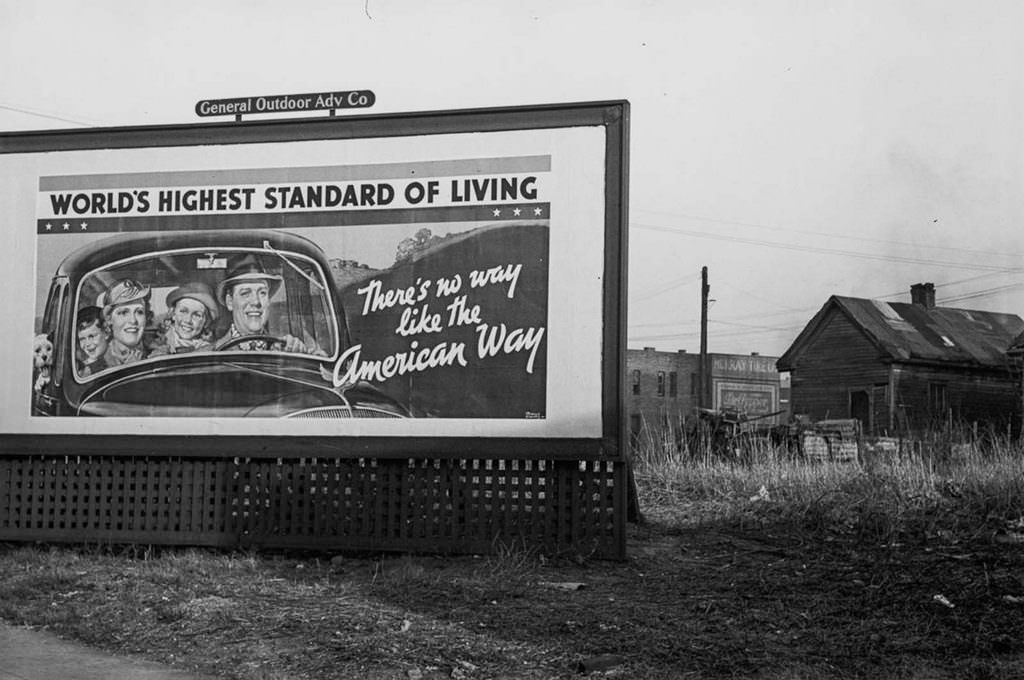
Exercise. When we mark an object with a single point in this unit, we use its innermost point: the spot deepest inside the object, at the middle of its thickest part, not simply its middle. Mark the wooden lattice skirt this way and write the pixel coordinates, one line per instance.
(337, 504)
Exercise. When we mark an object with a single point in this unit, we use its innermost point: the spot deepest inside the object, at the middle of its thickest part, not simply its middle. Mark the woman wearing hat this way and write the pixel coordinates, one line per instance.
(125, 310)
(191, 311)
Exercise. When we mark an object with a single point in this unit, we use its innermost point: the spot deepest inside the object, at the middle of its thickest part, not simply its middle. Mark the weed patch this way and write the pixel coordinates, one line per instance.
(771, 567)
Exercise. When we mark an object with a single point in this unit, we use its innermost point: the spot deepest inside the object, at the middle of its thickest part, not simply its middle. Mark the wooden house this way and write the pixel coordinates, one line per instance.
(1016, 354)
(901, 368)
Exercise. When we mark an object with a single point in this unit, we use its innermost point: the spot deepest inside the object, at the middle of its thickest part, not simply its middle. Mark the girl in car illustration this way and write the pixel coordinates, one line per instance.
(188, 326)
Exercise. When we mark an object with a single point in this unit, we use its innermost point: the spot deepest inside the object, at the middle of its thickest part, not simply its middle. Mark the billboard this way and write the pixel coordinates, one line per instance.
(375, 280)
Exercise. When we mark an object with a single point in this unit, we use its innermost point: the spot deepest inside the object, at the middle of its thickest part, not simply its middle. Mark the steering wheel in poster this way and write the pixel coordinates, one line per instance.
(270, 339)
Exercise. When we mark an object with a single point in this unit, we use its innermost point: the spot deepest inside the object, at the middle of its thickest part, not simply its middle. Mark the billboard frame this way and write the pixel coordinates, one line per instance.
(613, 116)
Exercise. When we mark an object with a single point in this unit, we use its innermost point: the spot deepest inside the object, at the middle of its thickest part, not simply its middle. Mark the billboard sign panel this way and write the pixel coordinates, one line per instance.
(371, 280)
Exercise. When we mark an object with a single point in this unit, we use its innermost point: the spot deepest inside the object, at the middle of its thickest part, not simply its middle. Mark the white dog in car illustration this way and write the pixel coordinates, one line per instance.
(42, 360)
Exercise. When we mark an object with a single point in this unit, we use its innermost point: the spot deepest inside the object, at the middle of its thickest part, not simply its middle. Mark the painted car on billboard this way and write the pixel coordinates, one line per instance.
(209, 323)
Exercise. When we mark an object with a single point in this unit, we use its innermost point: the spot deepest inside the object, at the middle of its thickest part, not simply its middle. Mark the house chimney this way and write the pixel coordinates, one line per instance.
(923, 294)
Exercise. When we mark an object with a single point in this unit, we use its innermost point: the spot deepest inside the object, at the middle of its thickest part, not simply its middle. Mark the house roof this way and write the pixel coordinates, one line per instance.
(1017, 346)
(907, 332)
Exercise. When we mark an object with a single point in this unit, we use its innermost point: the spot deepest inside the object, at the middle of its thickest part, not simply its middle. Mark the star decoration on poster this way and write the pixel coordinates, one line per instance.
(516, 211)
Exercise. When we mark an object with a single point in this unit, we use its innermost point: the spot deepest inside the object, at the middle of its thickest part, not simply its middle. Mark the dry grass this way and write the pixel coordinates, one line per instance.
(972, 489)
(775, 569)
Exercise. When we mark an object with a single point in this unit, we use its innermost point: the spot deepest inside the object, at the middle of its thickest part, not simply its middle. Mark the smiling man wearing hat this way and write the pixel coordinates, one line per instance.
(246, 291)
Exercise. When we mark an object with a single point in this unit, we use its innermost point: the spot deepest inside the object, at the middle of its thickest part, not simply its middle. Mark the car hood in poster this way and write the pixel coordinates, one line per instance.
(268, 387)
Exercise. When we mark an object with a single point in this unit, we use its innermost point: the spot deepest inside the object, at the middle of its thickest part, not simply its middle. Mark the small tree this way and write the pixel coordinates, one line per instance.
(408, 247)
(418, 242)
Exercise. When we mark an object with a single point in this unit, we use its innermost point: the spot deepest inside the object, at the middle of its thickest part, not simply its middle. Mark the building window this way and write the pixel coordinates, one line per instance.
(693, 384)
(634, 425)
(673, 386)
(938, 400)
(636, 381)
(661, 383)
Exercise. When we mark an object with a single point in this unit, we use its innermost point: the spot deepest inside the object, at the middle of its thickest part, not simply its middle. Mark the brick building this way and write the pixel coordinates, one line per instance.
(662, 388)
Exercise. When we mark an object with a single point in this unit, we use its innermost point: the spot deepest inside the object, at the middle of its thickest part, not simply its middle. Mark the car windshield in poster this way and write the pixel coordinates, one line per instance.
(383, 297)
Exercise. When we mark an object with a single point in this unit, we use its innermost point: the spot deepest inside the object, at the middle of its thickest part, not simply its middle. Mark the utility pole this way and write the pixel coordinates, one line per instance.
(703, 377)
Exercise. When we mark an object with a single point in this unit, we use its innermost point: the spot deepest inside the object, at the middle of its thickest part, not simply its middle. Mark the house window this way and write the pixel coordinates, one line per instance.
(661, 383)
(636, 382)
(634, 426)
(693, 384)
(938, 399)
(673, 386)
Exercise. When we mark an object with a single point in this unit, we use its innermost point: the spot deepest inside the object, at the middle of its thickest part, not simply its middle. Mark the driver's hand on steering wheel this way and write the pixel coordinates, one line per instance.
(293, 344)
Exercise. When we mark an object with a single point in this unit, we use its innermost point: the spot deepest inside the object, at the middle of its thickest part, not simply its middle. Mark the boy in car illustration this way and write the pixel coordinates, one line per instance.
(92, 340)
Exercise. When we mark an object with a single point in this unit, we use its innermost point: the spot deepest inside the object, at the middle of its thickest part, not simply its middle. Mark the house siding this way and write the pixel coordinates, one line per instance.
(837, 361)
(970, 396)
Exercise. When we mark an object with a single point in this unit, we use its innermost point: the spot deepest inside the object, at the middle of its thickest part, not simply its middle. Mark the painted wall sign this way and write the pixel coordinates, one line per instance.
(749, 398)
(442, 280)
(743, 366)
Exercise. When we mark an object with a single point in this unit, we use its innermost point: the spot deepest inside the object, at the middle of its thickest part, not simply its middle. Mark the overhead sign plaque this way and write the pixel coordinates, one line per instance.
(286, 103)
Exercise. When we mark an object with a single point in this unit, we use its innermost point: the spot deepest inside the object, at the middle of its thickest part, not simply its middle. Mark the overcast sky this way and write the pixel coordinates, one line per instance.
(796, 149)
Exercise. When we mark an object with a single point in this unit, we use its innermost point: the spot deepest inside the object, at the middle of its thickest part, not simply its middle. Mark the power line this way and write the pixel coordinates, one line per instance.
(675, 283)
(744, 330)
(665, 324)
(754, 296)
(752, 330)
(692, 334)
(40, 114)
(767, 227)
(748, 325)
(983, 293)
(806, 311)
(809, 310)
(826, 251)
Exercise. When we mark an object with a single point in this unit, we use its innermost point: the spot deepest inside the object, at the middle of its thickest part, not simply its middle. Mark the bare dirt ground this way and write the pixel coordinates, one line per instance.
(691, 601)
